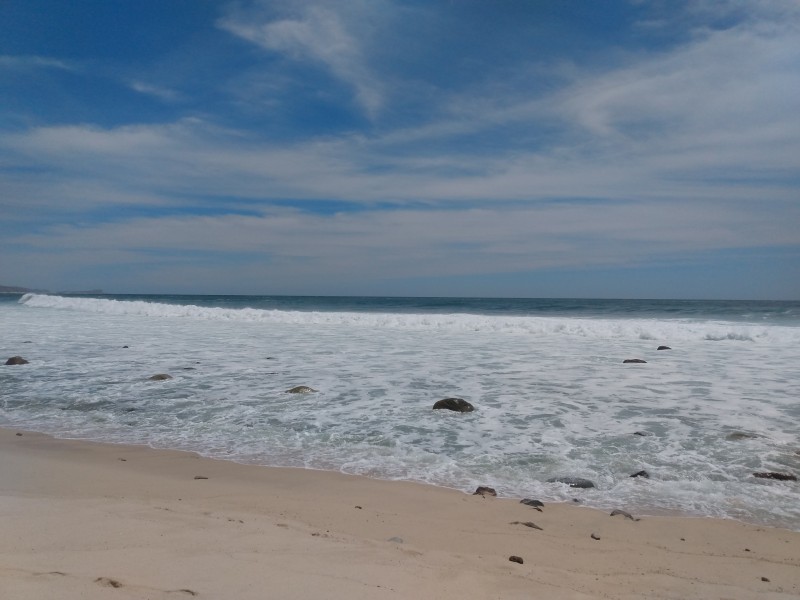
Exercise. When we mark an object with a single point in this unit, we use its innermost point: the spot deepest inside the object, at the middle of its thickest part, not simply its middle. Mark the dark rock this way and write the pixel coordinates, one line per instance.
(516, 559)
(765, 579)
(301, 389)
(644, 474)
(740, 435)
(663, 348)
(575, 482)
(595, 536)
(456, 404)
(19, 434)
(484, 491)
(634, 360)
(642, 433)
(625, 514)
(126, 346)
(778, 476)
(530, 524)
(200, 477)
(160, 377)
(16, 360)
(537, 504)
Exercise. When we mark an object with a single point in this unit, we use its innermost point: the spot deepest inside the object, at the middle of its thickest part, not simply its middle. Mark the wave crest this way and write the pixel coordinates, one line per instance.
(594, 328)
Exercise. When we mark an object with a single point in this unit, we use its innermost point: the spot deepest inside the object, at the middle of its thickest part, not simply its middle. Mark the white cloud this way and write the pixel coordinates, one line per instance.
(152, 90)
(35, 62)
(320, 35)
(688, 150)
(397, 244)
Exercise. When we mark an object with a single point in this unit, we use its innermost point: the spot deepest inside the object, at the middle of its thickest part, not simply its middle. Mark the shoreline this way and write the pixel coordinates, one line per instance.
(83, 517)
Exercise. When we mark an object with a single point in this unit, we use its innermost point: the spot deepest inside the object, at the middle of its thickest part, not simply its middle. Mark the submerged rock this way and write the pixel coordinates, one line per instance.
(740, 435)
(778, 476)
(663, 348)
(301, 389)
(576, 482)
(160, 377)
(644, 474)
(642, 433)
(455, 404)
(16, 360)
(634, 361)
(484, 490)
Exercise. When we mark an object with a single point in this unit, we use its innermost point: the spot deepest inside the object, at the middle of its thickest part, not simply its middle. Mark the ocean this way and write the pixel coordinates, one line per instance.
(552, 395)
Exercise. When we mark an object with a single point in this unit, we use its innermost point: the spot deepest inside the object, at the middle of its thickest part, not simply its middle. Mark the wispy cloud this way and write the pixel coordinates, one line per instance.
(287, 245)
(680, 148)
(148, 89)
(319, 35)
(35, 62)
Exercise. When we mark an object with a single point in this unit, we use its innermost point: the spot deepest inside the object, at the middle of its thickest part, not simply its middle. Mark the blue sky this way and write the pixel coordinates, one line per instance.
(485, 148)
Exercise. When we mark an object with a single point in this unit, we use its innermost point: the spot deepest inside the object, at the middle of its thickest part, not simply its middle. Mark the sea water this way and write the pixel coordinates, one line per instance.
(552, 395)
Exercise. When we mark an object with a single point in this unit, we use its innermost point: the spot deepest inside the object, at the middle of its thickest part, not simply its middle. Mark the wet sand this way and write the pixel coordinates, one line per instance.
(85, 520)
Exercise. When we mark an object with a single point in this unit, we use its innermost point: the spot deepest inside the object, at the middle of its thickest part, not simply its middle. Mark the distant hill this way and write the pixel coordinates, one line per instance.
(14, 289)
(10, 289)
(86, 292)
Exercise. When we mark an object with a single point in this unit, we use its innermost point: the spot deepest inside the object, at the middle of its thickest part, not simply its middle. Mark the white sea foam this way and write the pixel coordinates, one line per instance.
(642, 329)
(552, 396)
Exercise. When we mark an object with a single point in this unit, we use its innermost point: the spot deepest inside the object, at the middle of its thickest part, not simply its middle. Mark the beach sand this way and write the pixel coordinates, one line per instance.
(85, 520)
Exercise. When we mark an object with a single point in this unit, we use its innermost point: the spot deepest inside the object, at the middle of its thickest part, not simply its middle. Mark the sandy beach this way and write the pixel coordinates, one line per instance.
(85, 520)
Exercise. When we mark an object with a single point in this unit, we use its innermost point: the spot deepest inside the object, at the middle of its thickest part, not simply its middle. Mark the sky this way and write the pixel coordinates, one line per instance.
(616, 149)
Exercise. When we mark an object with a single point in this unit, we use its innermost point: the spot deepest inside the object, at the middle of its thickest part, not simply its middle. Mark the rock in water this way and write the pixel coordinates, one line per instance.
(576, 482)
(301, 389)
(634, 361)
(663, 348)
(484, 490)
(160, 377)
(740, 435)
(16, 360)
(778, 476)
(644, 474)
(456, 404)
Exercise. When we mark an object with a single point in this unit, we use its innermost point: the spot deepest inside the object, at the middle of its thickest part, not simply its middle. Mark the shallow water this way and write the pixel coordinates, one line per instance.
(552, 395)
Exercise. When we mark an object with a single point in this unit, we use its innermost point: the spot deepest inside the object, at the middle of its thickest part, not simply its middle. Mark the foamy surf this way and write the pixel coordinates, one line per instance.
(551, 393)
